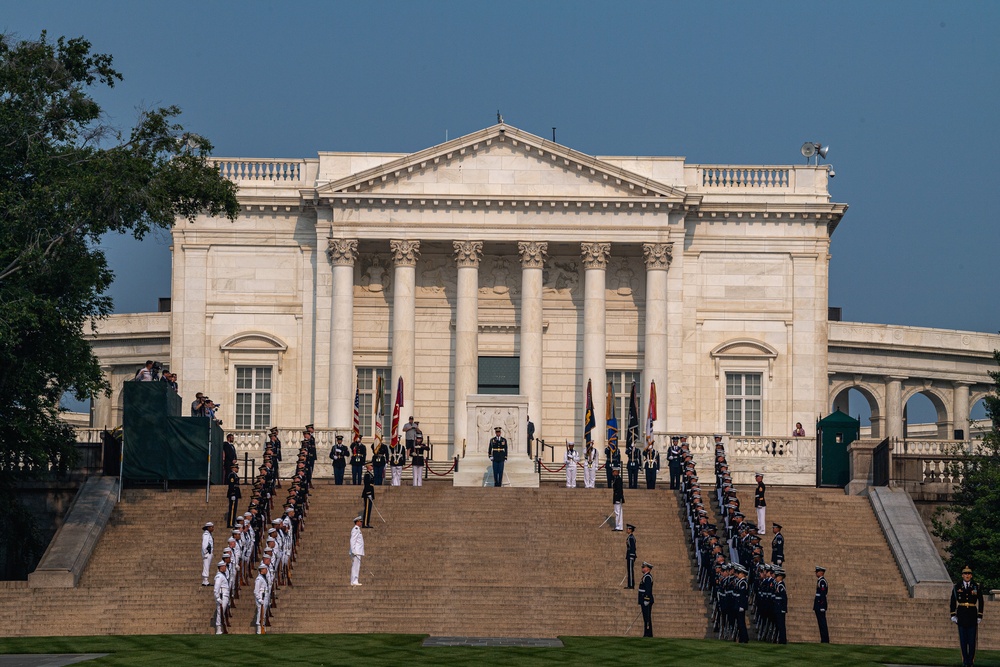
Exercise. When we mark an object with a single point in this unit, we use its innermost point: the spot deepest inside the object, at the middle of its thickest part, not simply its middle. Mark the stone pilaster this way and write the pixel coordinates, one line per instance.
(467, 256)
(342, 254)
(657, 257)
(533, 256)
(404, 258)
(894, 406)
(595, 264)
(960, 409)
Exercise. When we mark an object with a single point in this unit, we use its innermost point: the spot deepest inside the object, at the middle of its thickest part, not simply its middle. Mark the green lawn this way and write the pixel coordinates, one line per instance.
(375, 650)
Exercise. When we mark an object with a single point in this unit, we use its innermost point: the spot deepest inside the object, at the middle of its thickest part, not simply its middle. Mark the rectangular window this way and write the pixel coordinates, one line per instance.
(743, 403)
(621, 384)
(367, 378)
(253, 397)
(499, 375)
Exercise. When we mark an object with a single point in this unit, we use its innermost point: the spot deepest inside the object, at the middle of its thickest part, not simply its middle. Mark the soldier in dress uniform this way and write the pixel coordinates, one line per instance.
(207, 546)
(261, 588)
(233, 493)
(646, 599)
(379, 460)
(359, 457)
(498, 454)
(368, 497)
(339, 454)
(275, 444)
(760, 503)
(634, 455)
(741, 601)
(820, 604)
(630, 555)
(780, 605)
(967, 612)
(590, 466)
(617, 496)
(417, 455)
(221, 594)
(674, 457)
(357, 551)
(570, 461)
(397, 459)
(651, 464)
(612, 459)
(777, 546)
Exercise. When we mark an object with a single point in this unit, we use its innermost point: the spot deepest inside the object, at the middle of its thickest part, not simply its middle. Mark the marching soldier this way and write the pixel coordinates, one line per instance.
(617, 497)
(498, 454)
(397, 459)
(651, 464)
(820, 604)
(590, 466)
(234, 494)
(646, 599)
(967, 612)
(777, 546)
(760, 503)
(221, 594)
(570, 460)
(630, 555)
(359, 456)
(207, 545)
(339, 454)
(368, 497)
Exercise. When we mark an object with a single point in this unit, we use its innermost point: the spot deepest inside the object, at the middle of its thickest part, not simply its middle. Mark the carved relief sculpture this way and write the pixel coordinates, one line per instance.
(375, 276)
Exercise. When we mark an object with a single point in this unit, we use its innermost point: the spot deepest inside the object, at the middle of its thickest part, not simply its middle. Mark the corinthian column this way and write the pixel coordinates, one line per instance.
(658, 257)
(960, 419)
(404, 259)
(342, 254)
(467, 256)
(533, 256)
(894, 406)
(595, 264)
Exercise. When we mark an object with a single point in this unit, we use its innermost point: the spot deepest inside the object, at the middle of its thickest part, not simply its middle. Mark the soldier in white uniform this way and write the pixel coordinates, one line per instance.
(357, 551)
(571, 459)
(207, 546)
(221, 598)
(260, 595)
(589, 466)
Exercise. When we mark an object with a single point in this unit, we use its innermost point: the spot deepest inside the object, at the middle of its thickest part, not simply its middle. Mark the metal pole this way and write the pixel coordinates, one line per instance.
(208, 475)
(121, 466)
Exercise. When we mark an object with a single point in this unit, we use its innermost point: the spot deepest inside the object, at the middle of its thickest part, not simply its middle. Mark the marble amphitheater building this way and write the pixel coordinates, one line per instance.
(498, 273)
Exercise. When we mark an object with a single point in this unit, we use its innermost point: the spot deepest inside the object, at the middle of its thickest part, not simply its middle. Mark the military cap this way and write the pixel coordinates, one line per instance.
(675, 437)
(262, 566)
(221, 563)
(646, 564)
(740, 515)
(630, 526)
(275, 521)
(820, 568)
(966, 570)
(717, 436)
(339, 438)
(208, 524)
(495, 428)
(310, 426)
(776, 525)
(571, 444)
(778, 572)
(739, 568)
(358, 518)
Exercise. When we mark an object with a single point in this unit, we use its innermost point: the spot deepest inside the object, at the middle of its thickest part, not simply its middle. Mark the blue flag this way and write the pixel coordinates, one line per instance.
(612, 418)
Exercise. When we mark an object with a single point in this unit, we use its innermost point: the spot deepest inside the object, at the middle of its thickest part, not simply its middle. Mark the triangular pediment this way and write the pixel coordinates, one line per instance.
(500, 162)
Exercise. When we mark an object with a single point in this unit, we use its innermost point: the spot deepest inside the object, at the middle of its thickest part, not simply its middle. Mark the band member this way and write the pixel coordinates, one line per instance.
(340, 453)
(651, 464)
(417, 459)
(397, 459)
(359, 457)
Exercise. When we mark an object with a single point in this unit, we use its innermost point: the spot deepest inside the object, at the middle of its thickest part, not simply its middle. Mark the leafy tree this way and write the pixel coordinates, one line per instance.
(66, 179)
(971, 525)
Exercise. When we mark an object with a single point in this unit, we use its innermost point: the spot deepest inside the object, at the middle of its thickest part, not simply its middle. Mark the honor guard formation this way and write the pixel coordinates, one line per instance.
(263, 535)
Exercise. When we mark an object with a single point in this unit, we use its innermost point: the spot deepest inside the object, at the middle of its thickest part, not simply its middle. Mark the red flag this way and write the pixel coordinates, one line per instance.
(395, 412)
(651, 414)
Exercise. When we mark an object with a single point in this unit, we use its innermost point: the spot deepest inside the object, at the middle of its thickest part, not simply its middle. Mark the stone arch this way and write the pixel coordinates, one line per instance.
(940, 403)
(254, 341)
(744, 349)
(871, 393)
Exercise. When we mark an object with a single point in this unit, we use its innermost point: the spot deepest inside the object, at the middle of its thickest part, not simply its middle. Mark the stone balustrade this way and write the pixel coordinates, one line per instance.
(725, 176)
(783, 460)
(276, 170)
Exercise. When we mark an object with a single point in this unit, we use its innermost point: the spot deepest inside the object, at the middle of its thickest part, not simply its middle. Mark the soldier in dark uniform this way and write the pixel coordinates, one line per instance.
(228, 454)
(368, 497)
(612, 459)
(777, 546)
(634, 462)
(820, 604)
(967, 612)
(741, 601)
(339, 454)
(309, 442)
(760, 503)
(359, 457)
(651, 464)
(378, 462)
(617, 496)
(646, 599)
(630, 555)
(674, 455)
(780, 605)
(233, 493)
(498, 454)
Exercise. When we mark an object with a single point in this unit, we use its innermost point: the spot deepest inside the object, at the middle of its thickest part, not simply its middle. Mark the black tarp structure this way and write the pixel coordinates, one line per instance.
(160, 444)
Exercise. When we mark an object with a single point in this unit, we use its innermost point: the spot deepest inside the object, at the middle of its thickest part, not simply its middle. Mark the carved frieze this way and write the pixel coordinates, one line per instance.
(497, 278)
(375, 274)
(561, 275)
(436, 274)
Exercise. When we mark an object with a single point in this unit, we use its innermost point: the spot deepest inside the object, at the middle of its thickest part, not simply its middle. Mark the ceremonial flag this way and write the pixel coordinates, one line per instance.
(357, 414)
(377, 431)
(651, 414)
(612, 419)
(588, 416)
(632, 434)
(395, 412)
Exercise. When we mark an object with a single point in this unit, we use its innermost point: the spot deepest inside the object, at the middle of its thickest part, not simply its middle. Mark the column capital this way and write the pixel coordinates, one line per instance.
(404, 253)
(533, 254)
(658, 255)
(963, 383)
(595, 255)
(468, 253)
(343, 252)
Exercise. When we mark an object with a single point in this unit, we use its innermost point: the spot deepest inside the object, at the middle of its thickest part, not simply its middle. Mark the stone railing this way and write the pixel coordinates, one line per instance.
(783, 460)
(262, 170)
(925, 469)
(771, 178)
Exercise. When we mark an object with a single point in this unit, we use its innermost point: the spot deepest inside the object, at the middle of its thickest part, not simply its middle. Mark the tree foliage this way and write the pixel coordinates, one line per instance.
(971, 525)
(66, 179)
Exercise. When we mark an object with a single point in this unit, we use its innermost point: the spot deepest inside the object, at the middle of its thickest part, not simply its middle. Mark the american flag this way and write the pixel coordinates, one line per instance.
(357, 414)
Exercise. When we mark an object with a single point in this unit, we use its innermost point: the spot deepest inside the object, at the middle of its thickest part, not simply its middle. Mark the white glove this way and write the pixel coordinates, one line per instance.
(350, 554)
(978, 621)
(646, 603)
(741, 609)
(954, 619)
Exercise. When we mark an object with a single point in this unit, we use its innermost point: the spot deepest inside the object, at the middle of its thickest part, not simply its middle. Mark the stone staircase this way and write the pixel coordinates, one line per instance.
(869, 603)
